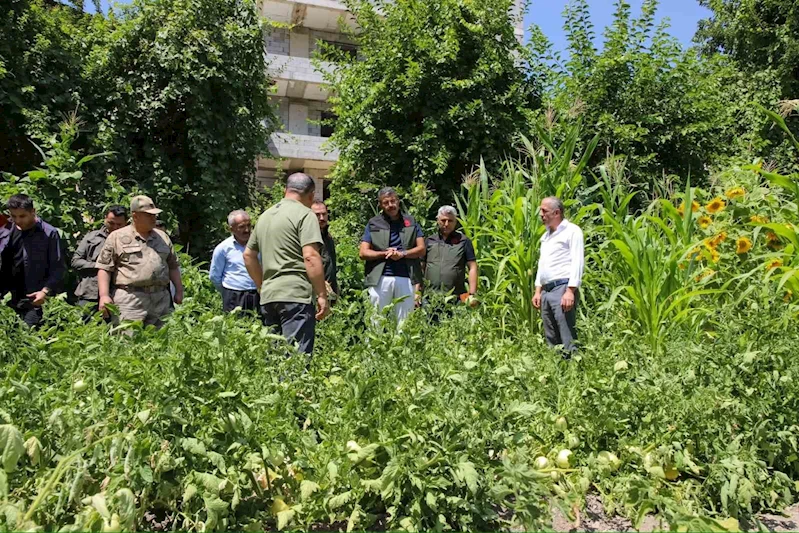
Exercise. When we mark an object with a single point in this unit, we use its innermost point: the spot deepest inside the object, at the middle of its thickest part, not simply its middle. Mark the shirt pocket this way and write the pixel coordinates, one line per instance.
(132, 254)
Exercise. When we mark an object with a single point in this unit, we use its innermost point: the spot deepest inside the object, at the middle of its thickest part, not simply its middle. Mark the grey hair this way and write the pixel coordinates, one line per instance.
(386, 191)
(300, 183)
(556, 203)
(231, 218)
(447, 210)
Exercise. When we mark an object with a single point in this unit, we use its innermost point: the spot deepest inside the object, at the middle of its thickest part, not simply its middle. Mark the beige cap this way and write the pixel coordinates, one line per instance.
(143, 204)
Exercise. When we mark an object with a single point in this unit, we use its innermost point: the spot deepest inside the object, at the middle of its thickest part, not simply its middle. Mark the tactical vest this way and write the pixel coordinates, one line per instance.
(379, 230)
(446, 264)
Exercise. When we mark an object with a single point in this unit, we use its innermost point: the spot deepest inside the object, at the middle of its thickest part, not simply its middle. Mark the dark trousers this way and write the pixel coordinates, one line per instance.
(296, 322)
(32, 316)
(559, 326)
(247, 300)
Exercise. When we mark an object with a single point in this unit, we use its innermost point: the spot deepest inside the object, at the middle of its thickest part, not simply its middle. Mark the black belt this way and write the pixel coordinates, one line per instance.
(149, 289)
(554, 283)
(246, 291)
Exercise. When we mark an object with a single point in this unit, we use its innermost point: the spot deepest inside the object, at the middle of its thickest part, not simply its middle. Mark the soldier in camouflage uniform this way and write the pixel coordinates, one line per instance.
(85, 257)
(142, 261)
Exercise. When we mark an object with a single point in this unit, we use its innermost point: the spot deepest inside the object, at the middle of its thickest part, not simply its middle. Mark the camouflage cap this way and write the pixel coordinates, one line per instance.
(143, 204)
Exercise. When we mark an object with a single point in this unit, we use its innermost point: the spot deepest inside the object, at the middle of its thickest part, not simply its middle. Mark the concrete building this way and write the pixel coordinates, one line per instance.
(301, 99)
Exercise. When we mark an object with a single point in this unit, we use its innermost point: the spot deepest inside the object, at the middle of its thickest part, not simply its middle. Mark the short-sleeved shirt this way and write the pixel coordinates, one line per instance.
(136, 261)
(397, 268)
(279, 235)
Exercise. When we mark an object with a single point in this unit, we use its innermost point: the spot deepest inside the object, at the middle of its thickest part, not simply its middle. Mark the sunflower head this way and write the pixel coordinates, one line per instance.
(704, 221)
(704, 274)
(735, 192)
(758, 219)
(774, 263)
(716, 205)
(714, 242)
(742, 245)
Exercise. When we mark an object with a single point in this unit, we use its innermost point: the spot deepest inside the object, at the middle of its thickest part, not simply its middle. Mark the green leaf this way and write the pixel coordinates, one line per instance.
(466, 473)
(307, 488)
(12, 447)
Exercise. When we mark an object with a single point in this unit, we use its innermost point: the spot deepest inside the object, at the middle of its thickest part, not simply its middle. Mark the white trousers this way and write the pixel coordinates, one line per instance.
(388, 289)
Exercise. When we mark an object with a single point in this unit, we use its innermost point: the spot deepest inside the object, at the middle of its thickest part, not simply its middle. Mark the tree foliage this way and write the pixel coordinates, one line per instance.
(176, 89)
(436, 85)
(661, 106)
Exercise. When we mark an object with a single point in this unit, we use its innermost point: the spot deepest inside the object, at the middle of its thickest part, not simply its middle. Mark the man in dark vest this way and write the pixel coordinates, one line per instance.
(392, 246)
(449, 254)
(328, 249)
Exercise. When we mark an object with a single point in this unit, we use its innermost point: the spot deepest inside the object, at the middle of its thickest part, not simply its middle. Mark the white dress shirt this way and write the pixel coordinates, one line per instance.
(561, 255)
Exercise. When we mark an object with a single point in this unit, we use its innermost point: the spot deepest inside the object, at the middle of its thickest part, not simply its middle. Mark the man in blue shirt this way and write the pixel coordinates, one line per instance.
(33, 260)
(228, 273)
(392, 246)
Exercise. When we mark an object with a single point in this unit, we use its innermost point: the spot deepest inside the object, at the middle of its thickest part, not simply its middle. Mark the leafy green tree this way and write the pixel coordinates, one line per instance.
(435, 86)
(761, 38)
(661, 106)
(758, 34)
(179, 93)
(40, 76)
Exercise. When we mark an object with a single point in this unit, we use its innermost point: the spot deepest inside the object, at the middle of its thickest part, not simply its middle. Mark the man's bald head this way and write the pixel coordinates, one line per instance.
(301, 187)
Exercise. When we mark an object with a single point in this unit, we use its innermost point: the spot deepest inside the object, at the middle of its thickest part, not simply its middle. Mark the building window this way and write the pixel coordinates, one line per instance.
(325, 189)
(350, 50)
(328, 123)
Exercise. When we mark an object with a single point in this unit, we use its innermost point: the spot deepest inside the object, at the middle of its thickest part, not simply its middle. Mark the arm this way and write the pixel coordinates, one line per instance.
(472, 276)
(537, 295)
(576, 253)
(174, 277)
(218, 263)
(56, 269)
(80, 259)
(316, 274)
(253, 266)
(366, 253)
(418, 251)
(104, 288)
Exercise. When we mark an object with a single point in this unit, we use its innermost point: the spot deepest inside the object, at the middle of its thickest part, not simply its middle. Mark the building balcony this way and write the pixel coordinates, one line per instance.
(315, 14)
(302, 149)
(296, 77)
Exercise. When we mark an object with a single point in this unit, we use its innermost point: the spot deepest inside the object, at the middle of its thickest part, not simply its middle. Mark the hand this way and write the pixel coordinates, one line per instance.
(472, 301)
(537, 299)
(567, 302)
(104, 300)
(394, 254)
(37, 298)
(324, 307)
(417, 299)
(178, 298)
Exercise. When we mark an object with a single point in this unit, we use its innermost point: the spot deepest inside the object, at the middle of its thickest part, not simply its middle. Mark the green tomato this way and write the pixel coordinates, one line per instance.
(561, 424)
(541, 462)
(563, 460)
(80, 386)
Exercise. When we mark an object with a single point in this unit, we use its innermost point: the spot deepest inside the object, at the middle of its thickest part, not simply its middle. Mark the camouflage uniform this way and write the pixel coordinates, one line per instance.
(140, 269)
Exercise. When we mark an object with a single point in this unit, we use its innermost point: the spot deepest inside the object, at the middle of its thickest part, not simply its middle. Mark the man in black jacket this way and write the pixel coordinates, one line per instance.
(33, 260)
(85, 257)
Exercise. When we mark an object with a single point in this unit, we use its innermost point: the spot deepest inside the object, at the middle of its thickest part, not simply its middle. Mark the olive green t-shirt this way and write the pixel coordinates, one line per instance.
(279, 235)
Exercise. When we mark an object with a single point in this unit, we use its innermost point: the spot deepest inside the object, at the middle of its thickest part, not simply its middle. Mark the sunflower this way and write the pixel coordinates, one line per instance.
(704, 274)
(715, 205)
(774, 263)
(714, 255)
(694, 208)
(704, 221)
(696, 254)
(773, 241)
(788, 296)
(742, 245)
(713, 242)
(758, 219)
(735, 192)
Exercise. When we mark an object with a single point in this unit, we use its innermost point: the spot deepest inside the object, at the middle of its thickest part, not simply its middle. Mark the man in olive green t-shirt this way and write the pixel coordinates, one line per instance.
(288, 238)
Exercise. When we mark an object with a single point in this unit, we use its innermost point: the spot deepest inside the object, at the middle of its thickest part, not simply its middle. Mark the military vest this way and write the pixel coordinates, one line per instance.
(446, 263)
(380, 233)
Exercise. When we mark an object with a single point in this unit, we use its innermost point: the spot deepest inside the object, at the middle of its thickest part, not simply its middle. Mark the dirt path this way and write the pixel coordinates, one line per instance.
(593, 518)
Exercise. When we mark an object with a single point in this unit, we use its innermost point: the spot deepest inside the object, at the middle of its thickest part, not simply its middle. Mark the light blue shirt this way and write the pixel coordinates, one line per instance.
(227, 267)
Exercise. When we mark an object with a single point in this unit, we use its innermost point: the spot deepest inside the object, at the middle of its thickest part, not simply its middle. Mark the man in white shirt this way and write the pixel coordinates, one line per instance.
(560, 271)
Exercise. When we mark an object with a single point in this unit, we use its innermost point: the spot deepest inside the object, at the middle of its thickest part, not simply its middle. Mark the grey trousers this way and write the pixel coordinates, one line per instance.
(296, 322)
(559, 325)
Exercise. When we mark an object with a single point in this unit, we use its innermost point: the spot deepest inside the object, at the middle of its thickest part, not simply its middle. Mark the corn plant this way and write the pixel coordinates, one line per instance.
(653, 260)
(500, 215)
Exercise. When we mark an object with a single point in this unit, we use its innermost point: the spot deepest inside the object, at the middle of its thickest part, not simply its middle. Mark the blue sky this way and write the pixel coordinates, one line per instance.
(683, 16)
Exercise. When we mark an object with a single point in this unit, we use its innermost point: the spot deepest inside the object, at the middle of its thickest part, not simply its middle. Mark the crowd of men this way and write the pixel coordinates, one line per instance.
(283, 268)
